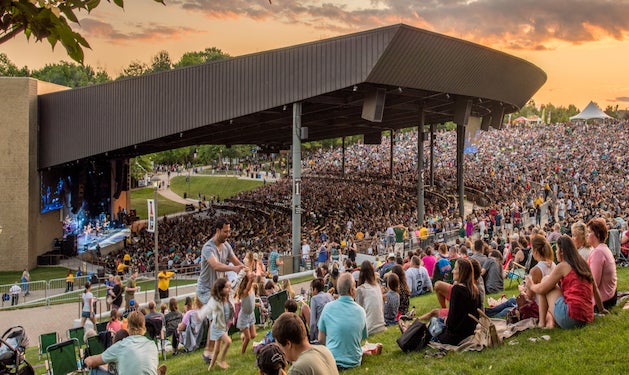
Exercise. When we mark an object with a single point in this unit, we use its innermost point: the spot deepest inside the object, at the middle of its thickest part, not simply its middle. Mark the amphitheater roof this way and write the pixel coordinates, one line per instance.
(247, 99)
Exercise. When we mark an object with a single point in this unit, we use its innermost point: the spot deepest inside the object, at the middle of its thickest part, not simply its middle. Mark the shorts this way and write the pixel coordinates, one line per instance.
(86, 314)
(245, 320)
(216, 334)
(562, 316)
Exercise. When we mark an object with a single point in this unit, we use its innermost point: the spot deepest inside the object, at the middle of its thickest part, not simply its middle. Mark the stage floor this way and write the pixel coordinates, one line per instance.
(109, 237)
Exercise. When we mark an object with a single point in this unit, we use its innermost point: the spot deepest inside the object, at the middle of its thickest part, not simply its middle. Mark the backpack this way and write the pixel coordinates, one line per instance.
(414, 338)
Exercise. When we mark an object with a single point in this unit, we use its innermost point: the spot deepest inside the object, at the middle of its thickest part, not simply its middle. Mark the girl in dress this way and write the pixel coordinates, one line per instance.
(246, 321)
(220, 311)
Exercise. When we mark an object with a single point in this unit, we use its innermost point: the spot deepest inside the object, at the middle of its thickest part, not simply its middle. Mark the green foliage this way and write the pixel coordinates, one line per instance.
(135, 69)
(70, 74)
(9, 69)
(200, 57)
(45, 19)
(140, 166)
(160, 62)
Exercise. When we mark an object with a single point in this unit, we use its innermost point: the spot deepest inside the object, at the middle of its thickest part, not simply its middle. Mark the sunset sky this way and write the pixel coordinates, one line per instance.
(583, 46)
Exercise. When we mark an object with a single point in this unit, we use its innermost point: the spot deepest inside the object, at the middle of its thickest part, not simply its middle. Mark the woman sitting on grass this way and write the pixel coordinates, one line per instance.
(570, 305)
(369, 296)
(392, 300)
(464, 300)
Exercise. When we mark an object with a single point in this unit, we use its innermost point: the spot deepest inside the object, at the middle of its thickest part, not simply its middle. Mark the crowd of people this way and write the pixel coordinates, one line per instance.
(580, 177)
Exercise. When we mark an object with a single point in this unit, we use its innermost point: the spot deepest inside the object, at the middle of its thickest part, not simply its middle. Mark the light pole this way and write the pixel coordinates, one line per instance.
(156, 182)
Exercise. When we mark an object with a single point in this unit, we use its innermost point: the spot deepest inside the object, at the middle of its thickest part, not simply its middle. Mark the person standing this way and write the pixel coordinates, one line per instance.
(87, 312)
(26, 278)
(305, 252)
(15, 294)
(130, 288)
(216, 255)
(275, 262)
(343, 337)
(164, 282)
(69, 281)
(290, 333)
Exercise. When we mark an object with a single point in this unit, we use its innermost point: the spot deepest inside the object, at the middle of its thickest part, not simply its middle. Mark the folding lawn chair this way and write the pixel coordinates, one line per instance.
(102, 326)
(77, 333)
(95, 346)
(516, 272)
(276, 303)
(64, 358)
(45, 340)
(155, 332)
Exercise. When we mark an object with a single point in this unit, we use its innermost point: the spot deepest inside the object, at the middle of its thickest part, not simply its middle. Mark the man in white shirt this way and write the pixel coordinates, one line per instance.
(305, 252)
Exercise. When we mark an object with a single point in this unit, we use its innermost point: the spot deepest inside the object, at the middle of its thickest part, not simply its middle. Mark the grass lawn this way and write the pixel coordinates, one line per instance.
(600, 348)
(39, 273)
(224, 187)
(164, 206)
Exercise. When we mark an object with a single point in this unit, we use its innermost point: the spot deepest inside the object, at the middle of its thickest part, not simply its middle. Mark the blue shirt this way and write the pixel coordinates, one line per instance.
(345, 324)
(273, 260)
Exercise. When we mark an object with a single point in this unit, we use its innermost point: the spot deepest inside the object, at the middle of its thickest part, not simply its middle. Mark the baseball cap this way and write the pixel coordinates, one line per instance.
(391, 255)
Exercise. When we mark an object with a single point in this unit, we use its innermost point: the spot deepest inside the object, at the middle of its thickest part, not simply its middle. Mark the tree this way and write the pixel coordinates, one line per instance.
(160, 62)
(9, 69)
(48, 19)
(200, 57)
(135, 69)
(70, 74)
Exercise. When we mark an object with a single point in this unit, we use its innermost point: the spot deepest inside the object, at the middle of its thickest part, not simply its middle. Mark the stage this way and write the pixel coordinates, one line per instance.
(88, 242)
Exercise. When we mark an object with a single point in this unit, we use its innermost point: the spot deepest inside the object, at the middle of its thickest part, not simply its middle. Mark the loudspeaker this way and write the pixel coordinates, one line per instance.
(373, 138)
(496, 118)
(125, 177)
(373, 106)
(484, 125)
(304, 133)
(462, 110)
(69, 246)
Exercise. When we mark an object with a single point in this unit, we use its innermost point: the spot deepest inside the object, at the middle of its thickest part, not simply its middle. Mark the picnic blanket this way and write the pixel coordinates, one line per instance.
(478, 341)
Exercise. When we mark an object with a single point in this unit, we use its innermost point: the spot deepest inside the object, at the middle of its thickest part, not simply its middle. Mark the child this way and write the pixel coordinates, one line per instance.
(392, 300)
(246, 321)
(220, 311)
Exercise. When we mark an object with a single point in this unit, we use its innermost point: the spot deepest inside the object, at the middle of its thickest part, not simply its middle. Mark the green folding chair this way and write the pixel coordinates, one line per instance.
(77, 333)
(63, 358)
(45, 340)
(101, 327)
(94, 345)
(276, 303)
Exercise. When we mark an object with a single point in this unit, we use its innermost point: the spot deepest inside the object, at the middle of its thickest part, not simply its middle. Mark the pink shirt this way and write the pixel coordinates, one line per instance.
(429, 263)
(603, 266)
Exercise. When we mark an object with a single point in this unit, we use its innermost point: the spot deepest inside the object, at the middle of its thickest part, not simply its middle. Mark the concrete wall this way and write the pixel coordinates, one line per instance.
(25, 232)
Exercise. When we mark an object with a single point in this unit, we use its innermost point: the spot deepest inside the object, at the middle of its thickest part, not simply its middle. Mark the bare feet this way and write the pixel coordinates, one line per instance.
(223, 365)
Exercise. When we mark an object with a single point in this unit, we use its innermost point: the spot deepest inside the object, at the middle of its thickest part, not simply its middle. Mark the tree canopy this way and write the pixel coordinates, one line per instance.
(48, 19)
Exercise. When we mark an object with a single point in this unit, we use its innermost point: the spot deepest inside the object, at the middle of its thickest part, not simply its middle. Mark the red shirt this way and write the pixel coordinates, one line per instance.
(577, 294)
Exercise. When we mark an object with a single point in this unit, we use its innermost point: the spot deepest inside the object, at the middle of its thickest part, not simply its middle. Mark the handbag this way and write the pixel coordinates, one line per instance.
(414, 338)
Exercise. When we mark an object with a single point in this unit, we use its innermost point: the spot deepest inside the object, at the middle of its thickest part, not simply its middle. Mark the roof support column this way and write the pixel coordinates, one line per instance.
(391, 153)
(343, 155)
(296, 212)
(462, 110)
(420, 168)
(432, 154)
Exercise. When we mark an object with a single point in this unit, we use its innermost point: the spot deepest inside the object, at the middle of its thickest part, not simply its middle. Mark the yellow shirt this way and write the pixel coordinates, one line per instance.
(121, 267)
(163, 280)
(423, 233)
(70, 278)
